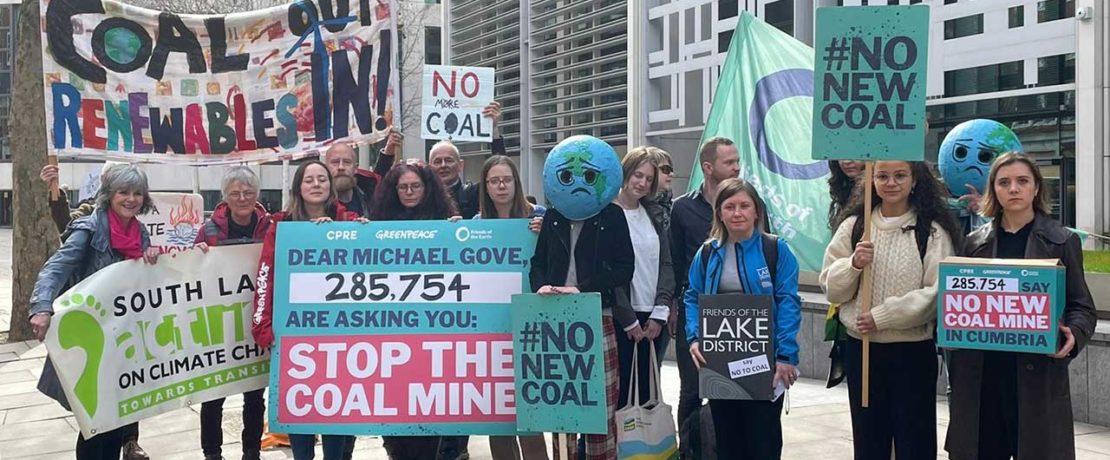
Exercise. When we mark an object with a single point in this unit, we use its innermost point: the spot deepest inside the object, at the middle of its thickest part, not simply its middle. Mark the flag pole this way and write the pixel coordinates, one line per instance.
(865, 285)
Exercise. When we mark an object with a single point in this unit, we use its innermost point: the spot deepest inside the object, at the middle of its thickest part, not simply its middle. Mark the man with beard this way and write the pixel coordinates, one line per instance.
(691, 217)
(448, 165)
(356, 186)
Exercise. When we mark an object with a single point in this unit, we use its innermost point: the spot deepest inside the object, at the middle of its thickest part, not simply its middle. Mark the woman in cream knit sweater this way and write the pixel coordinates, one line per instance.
(900, 324)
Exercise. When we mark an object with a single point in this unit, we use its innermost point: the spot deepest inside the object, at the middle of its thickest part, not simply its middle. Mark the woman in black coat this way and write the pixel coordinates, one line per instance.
(1023, 399)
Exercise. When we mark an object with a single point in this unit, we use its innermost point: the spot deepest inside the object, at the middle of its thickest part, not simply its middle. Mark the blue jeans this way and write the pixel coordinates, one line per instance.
(304, 446)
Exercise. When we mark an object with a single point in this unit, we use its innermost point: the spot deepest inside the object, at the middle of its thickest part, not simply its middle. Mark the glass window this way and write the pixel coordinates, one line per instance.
(1055, 70)
(1052, 10)
(723, 40)
(984, 79)
(728, 9)
(1017, 16)
(781, 15)
(963, 27)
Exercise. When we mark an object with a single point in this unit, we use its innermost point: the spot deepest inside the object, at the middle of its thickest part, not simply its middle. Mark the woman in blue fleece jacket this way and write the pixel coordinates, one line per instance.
(746, 429)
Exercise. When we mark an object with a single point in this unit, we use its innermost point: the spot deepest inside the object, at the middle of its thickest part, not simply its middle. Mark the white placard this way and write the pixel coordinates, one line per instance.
(452, 103)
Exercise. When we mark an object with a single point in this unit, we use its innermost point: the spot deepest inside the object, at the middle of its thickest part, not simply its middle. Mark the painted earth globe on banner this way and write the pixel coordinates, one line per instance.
(967, 152)
(581, 175)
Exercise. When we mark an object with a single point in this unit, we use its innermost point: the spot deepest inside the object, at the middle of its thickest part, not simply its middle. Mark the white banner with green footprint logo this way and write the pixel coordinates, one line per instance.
(135, 340)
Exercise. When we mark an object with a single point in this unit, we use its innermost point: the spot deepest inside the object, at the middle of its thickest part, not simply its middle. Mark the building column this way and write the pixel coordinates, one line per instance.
(637, 74)
(1092, 123)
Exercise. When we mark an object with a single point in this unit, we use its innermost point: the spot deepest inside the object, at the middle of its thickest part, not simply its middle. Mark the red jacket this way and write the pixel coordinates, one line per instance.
(263, 330)
(214, 231)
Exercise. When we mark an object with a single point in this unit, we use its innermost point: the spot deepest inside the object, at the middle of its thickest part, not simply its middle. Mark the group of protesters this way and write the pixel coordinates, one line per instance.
(651, 260)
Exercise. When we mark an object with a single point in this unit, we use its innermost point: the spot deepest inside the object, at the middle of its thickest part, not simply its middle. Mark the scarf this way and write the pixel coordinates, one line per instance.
(126, 240)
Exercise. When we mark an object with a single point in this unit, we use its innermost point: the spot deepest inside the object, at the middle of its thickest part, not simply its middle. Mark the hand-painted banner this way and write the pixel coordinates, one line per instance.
(175, 220)
(133, 340)
(135, 84)
(869, 99)
(560, 372)
(453, 101)
(396, 328)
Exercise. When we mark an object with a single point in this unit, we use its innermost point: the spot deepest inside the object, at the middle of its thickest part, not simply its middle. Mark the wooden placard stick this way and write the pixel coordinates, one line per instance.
(52, 160)
(865, 284)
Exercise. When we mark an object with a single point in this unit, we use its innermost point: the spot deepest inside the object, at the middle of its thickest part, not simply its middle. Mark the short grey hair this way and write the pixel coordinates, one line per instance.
(342, 143)
(444, 143)
(242, 175)
(127, 178)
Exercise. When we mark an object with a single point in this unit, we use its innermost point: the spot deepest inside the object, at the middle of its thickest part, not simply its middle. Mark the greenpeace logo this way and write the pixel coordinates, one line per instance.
(406, 234)
(262, 291)
(996, 272)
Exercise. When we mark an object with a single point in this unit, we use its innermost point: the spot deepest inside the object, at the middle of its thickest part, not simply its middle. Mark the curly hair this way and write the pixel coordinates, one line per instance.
(436, 204)
(840, 191)
(927, 199)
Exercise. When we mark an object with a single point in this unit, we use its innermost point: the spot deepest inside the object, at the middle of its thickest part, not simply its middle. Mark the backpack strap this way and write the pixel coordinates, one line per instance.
(921, 231)
(706, 250)
(771, 254)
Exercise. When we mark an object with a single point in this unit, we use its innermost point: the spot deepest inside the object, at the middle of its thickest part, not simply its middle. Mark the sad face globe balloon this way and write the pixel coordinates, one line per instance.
(967, 152)
(581, 175)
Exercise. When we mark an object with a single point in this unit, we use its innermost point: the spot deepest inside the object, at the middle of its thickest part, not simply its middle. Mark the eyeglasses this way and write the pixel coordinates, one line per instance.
(898, 178)
(497, 181)
(413, 187)
(666, 169)
(242, 195)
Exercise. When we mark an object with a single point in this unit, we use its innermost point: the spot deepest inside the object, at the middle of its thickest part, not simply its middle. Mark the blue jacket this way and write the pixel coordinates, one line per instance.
(87, 248)
(756, 279)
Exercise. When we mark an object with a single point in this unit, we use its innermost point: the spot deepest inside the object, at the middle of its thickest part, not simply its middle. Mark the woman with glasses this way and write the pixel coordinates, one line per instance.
(412, 191)
(653, 277)
(238, 219)
(502, 197)
(911, 232)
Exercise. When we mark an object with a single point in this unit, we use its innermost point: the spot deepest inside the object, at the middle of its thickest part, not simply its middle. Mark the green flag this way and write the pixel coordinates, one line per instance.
(764, 102)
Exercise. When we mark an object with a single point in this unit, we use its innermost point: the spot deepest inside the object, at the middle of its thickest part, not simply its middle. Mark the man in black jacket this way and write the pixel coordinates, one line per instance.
(355, 186)
(691, 217)
(444, 158)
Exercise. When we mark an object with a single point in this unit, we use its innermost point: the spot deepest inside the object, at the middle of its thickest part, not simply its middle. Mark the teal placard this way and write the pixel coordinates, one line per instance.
(1002, 305)
(396, 328)
(869, 83)
(560, 363)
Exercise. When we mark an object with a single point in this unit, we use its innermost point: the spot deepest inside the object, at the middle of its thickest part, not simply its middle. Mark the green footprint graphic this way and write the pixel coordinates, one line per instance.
(80, 329)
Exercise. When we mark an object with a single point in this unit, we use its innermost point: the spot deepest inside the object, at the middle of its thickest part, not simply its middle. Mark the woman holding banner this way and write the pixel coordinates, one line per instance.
(238, 219)
(653, 278)
(502, 197)
(311, 198)
(914, 230)
(412, 191)
(1018, 405)
(736, 259)
(110, 234)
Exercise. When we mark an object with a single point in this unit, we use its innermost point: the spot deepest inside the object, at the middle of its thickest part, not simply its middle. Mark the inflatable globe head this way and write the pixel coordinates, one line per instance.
(581, 176)
(968, 150)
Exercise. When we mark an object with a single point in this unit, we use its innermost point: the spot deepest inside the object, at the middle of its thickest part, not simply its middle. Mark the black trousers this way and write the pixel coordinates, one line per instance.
(411, 447)
(688, 396)
(903, 404)
(747, 430)
(211, 423)
(998, 404)
(104, 446)
(450, 447)
(625, 346)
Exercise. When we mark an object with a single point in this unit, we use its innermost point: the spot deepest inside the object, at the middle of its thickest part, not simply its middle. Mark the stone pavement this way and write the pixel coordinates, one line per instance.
(34, 427)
